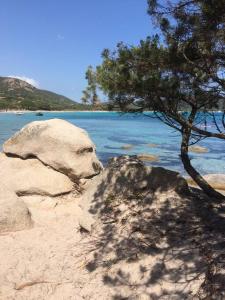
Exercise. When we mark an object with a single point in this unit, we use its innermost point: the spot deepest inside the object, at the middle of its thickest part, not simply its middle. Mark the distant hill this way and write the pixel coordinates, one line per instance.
(18, 94)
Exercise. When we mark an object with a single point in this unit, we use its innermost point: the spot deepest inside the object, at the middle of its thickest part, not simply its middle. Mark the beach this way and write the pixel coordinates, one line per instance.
(68, 224)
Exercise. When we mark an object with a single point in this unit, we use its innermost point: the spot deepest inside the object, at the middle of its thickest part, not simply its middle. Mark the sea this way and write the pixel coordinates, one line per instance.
(110, 131)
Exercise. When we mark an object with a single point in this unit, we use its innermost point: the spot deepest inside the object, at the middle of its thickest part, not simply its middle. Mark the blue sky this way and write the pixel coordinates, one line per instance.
(53, 41)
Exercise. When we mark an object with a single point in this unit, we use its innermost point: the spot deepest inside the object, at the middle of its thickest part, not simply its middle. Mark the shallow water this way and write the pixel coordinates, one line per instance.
(110, 131)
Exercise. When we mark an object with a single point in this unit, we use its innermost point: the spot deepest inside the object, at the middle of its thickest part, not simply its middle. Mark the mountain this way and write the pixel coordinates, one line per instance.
(18, 94)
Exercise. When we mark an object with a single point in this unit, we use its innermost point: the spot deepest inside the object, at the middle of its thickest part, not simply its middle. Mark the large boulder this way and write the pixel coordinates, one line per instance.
(59, 144)
(217, 181)
(31, 177)
(127, 175)
(14, 213)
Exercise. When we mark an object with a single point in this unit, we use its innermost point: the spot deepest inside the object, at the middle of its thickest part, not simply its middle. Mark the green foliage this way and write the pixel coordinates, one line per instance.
(185, 71)
(86, 97)
(19, 95)
(90, 94)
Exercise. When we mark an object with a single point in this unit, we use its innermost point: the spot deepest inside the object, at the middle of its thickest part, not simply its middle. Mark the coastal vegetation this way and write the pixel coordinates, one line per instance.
(113, 218)
(90, 95)
(182, 68)
(16, 94)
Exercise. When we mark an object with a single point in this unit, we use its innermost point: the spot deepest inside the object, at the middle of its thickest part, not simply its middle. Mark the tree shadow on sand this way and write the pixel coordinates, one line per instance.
(167, 245)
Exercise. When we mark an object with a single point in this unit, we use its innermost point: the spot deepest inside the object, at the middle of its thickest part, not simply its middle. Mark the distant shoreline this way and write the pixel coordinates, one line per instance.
(53, 111)
(72, 111)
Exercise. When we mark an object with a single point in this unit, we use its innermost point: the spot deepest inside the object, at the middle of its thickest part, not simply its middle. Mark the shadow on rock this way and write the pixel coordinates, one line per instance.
(154, 239)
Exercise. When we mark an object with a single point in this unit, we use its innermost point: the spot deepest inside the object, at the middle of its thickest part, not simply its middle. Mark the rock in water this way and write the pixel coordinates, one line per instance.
(127, 147)
(148, 157)
(217, 181)
(152, 145)
(58, 144)
(14, 213)
(198, 149)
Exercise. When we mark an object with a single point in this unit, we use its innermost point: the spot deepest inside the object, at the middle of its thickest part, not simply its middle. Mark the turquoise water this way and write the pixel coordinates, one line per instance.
(110, 131)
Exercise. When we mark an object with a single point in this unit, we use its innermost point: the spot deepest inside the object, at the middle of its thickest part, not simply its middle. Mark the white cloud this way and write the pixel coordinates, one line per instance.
(31, 81)
(60, 37)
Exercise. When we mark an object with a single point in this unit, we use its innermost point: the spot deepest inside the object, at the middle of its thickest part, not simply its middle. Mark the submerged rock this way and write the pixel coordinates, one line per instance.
(198, 149)
(148, 157)
(217, 181)
(58, 144)
(127, 147)
(152, 145)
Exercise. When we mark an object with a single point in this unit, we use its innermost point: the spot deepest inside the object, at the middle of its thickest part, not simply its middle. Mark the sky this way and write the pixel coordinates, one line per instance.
(52, 42)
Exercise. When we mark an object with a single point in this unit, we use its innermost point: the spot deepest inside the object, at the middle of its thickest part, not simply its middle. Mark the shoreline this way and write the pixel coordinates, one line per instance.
(53, 111)
(72, 111)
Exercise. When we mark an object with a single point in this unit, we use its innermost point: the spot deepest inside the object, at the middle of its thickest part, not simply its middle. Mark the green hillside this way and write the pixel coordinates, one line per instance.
(18, 94)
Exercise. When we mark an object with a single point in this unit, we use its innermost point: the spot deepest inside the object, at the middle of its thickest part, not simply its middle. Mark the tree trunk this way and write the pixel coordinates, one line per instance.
(200, 181)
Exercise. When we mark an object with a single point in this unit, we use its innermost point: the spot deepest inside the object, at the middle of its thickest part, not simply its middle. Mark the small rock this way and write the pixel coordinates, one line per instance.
(127, 147)
(198, 149)
(152, 145)
(217, 181)
(148, 157)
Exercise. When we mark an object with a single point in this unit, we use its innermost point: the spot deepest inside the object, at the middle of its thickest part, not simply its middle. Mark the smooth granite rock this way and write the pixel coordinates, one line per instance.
(14, 213)
(59, 144)
(31, 177)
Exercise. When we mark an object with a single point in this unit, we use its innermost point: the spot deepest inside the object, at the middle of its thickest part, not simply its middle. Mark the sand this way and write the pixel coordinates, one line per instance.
(150, 246)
